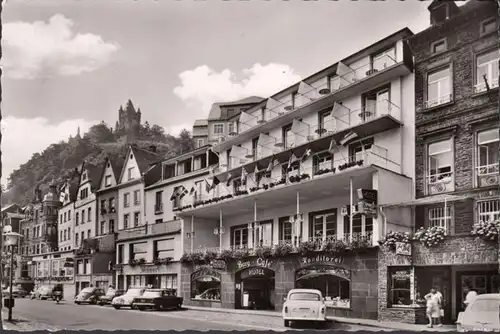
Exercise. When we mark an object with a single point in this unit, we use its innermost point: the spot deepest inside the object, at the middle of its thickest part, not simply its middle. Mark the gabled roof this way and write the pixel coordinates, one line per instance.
(93, 173)
(116, 165)
(144, 158)
(200, 122)
(216, 112)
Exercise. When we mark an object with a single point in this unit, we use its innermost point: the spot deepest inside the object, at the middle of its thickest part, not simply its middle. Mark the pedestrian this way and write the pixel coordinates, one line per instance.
(441, 308)
(471, 294)
(432, 311)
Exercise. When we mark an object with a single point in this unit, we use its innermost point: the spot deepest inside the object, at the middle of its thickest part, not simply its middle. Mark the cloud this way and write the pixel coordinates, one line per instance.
(40, 49)
(175, 130)
(24, 136)
(204, 86)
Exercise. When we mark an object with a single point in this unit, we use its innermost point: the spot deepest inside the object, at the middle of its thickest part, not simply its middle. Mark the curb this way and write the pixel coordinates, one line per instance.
(231, 311)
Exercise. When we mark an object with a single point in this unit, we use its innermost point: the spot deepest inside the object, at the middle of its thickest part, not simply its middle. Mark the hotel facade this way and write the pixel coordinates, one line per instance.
(293, 201)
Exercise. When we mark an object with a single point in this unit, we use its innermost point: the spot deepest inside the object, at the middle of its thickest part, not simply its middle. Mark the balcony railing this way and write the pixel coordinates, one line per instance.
(150, 230)
(481, 87)
(438, 101)
(440, 183)
(487, 175)
(316, 244)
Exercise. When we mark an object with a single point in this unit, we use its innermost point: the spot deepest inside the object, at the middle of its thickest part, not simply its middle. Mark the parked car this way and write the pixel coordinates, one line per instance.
(127, 299)
(89, 295)
(108, 297)
(17, 292)
(304, 305)
(43, 293)
(481, 315)
(158, 299)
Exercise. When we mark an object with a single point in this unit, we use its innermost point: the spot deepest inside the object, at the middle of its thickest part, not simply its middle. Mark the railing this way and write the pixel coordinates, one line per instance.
(487, 169)
(438, 101)
(440, 183)
(150, 229)
(481, 87)
(320, 243)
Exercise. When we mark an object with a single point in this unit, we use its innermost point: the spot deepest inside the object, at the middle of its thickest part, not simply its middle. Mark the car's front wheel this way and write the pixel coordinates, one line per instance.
(116, 307)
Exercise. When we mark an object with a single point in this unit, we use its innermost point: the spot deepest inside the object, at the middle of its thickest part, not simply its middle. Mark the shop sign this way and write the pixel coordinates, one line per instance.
(205, 273)
(314, 271)
(259, 262)
(321, 258)
(218, 264)
(256, 272)
(149, 269)
(368, 201)
(403, 248)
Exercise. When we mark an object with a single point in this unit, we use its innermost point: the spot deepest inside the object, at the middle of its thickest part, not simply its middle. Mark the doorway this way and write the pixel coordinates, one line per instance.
(255, 289)
(439, 278)
(484, 281)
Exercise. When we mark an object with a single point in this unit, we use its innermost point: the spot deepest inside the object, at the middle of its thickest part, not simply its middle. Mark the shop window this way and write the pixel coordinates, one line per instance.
(168, 282)
(206, 285)
(164, 248)
(138, 251)
(400, 287)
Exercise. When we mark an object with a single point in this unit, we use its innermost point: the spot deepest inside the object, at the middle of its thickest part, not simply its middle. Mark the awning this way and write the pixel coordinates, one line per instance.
(428, 200)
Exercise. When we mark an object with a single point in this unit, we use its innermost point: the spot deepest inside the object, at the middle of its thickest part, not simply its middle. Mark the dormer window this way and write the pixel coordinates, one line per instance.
(107, 181)
(438, 46)
(84, 176)
(440, 14)
(488, 26)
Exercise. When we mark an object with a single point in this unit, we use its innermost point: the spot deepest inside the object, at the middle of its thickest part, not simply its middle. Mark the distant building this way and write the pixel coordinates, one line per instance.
(222, 121)
(129, 121)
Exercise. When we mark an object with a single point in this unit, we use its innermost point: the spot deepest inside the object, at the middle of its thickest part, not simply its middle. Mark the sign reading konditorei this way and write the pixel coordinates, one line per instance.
(321, 258)
(368, 202)
(259, 262)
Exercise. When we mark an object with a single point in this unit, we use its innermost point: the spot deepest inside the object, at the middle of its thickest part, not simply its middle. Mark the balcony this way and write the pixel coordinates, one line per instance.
(481, 87)
(143, 231)
(487, 175)
(350, 83)
(438, 101)
(440, 183)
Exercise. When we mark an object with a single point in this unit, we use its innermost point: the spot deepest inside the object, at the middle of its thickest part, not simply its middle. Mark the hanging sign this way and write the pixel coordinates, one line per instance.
(321, 258)
(403, 248)
(218, 264)
(368, 201)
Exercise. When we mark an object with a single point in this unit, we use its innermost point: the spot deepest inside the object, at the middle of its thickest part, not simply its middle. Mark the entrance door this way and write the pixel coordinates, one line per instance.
(481, 281)
(439, 278)
(256, 289)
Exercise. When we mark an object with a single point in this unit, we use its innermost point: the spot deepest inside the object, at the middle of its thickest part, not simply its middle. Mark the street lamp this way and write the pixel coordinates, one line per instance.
(11, 240)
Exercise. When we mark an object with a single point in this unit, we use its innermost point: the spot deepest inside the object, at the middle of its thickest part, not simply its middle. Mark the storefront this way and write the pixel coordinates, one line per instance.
(348, 281)
(164, 276)
(458, 263)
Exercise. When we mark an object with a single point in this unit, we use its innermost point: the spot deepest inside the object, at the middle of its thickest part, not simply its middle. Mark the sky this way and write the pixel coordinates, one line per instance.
(70, 64)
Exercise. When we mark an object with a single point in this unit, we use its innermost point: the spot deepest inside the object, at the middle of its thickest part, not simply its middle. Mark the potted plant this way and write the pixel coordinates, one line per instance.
(431, 237)
(263, 251)
(488, 231)
(307, 247)
(226, 255)
(209, 255)
(282, 250)
(391, 238)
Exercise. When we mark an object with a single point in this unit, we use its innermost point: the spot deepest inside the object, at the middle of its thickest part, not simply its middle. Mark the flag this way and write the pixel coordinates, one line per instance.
(270, 167)
(348, 137)
(243, 176)
(192, 191)
(175, 193)
(292, 159)
(256, 170)
(183, 192)
(215, 182)
(207, 186)
(333, 146)
(229, 179)
(305, 155)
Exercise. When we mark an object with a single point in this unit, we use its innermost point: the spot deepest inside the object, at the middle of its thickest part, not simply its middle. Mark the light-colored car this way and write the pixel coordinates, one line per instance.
(126, 299)
(43, 292)
(17, 292)
(304, 305)
(483, 314)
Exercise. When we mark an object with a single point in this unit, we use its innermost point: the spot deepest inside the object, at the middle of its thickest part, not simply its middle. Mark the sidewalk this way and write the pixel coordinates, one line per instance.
(351, 321)
(24, 325)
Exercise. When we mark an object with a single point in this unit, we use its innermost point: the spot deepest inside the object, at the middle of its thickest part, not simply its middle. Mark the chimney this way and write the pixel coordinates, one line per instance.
(152, 148)
(442, 10)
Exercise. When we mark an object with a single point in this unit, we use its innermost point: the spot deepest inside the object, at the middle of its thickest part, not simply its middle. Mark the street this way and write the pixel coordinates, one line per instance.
(67, 315)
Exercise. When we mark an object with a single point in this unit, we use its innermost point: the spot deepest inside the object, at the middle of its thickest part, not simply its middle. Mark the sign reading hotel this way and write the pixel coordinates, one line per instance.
(368, 201)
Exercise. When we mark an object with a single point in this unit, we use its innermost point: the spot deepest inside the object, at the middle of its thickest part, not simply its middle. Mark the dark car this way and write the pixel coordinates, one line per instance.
(89, 295)
(158, 299)
(17, 292)
(108, 297)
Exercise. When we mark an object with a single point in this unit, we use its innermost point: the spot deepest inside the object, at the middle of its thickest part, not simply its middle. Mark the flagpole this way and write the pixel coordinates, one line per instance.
(220, 231)
(445, 213)
(254, 222)
(351, 200)
(297, 224)
(192, 231)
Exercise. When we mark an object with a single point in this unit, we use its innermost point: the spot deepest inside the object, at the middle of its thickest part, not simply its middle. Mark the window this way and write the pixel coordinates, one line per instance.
(138, 251)
(103, 229)
(230, 128)
(197, 163)
(255, 148)
(126, 200)
(126, 218)
(323, 225)
(112, 204)
(83, 216)
(107, 181)
(120, 254)
(487, 154)
(293, 170)
(111, 226)
(64, 216)
(84, 193)
(177, 202)
(65, 235)
(206, 284)
(285, 229)
(198, 190)
(384, 59)
(164, 248)
(69, 233)
(103, 206)
(158, 202)
(439, 217)
(439, 87)
(136, 219)
(238, 185)
(322, 161)
(288, 137)
(440, 162)
(294, 100)
(137, 197)
(130, 174)
(400, 287)
(168, 281)
(326, 122)
(262, 177)
(439, 14)
(376, 103)
(218, 129)
(89, 214)
(200, 142)
(158, 221)
(487, 68)
(438, 46)
(488, 211)
(229, 159)
(181, 168)
(69, 215)
(488, 26)
(263, 115)
(83, 236)
(239, 237)
(89, 234)
(358, 149)
(76, 240)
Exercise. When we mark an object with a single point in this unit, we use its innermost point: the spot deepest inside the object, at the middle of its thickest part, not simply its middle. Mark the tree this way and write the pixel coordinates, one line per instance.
(99, 133)
(185, 142)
